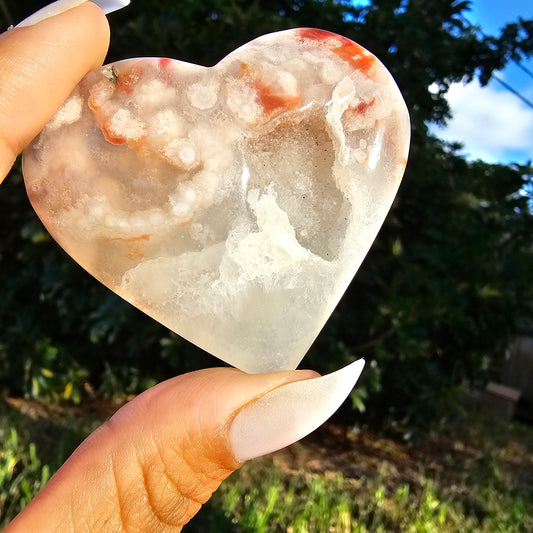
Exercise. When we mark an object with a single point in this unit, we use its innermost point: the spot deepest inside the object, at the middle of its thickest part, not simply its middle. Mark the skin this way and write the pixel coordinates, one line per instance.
(159, 458)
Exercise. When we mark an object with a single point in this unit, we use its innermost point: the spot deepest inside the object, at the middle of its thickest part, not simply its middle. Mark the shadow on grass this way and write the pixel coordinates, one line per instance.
(55, 435)
(211, 519)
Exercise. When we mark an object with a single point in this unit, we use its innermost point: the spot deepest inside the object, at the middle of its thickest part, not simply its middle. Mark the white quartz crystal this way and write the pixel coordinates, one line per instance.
(235, 203)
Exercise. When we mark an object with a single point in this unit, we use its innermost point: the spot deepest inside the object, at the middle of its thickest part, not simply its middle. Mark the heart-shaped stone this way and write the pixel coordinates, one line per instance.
(233, 204)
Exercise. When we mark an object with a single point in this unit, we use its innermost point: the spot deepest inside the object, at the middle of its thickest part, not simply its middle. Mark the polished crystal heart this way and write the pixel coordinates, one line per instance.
(235, 203)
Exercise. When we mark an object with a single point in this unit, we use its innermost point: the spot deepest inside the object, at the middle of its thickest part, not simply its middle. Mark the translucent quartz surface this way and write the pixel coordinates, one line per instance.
(235, 203)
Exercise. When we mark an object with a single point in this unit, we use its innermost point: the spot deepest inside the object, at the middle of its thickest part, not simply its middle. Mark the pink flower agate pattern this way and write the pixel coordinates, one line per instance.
(235, 203)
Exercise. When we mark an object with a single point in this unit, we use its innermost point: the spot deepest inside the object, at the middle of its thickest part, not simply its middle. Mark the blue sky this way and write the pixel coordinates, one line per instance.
(491, 123)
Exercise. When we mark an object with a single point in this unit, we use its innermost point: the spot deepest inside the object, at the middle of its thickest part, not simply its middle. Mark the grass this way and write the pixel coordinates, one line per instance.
(329, 502)
(35, 439)
(21, 474)
(473, 476)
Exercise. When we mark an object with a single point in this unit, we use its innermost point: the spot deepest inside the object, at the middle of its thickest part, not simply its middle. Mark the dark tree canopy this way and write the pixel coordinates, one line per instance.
(447, 284)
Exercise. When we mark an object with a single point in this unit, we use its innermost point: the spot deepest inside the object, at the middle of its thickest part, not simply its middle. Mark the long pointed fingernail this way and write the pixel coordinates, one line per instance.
(56, 8)
(290, 412)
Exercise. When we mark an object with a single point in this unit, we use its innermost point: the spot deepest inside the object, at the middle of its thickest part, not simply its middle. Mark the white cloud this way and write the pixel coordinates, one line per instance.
(491, 123)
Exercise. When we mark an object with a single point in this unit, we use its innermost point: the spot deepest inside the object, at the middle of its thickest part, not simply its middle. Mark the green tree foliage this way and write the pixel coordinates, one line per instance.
(447, 283)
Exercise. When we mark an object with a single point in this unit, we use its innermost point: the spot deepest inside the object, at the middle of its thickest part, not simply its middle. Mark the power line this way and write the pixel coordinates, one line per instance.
(498, 79)
(483, 34)
(525, 69)
(514, 91)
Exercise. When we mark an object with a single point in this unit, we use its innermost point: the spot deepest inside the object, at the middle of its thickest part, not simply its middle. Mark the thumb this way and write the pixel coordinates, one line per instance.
(153, 464)
(40, 65)
(157, 460)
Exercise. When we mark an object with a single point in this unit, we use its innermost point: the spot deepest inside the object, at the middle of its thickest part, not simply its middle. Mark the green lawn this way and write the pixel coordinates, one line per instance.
(473, 475)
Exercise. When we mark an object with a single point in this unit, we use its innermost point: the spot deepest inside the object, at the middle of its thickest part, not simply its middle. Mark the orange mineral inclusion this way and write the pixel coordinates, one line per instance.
(273, 103)
(351, 52)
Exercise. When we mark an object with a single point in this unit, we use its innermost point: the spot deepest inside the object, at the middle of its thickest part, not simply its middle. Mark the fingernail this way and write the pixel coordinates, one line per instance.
(290, 412)
(55, 8)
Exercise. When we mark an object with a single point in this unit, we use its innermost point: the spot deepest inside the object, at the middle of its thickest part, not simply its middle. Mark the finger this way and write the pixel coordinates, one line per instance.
(153, 465)
(39, 67)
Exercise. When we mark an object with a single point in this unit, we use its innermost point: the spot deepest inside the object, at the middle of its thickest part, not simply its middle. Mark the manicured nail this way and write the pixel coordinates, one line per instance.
(55, 8)
(289, 413)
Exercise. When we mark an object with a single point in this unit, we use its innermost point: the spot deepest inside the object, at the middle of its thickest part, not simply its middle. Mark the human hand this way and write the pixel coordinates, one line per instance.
(153, 465)
(40, 65)
(156, 461)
